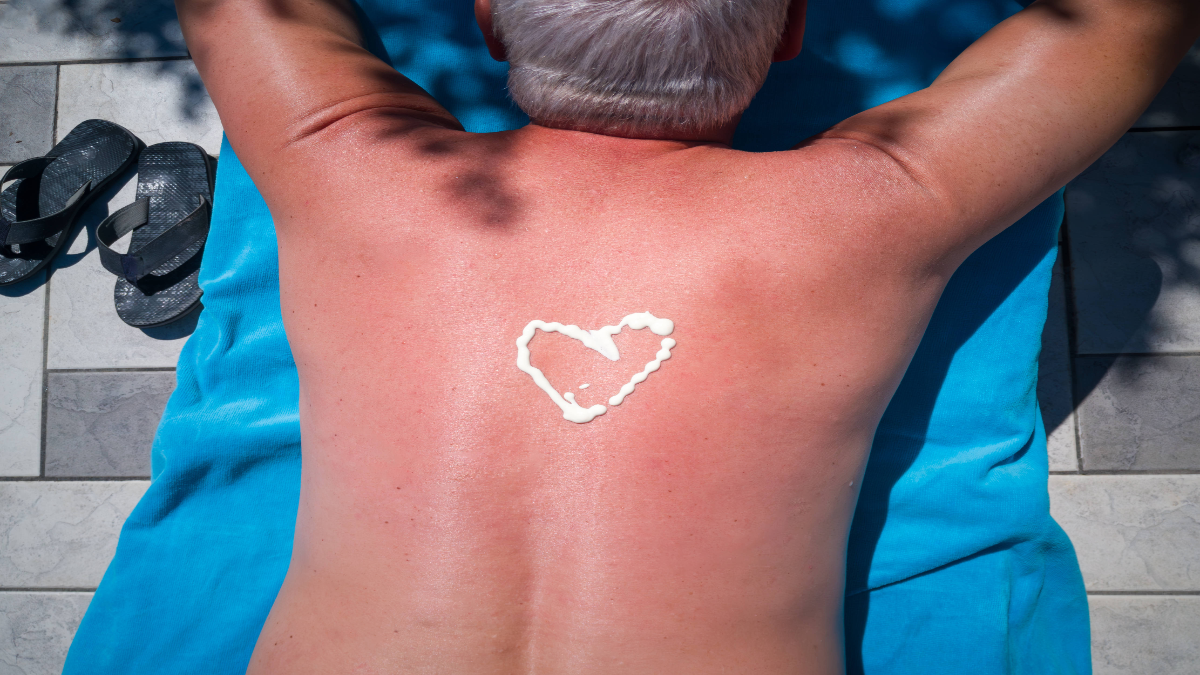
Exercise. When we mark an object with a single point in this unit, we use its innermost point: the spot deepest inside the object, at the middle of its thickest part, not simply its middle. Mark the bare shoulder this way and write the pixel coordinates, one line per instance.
(870, 199)
(301, 99)
(355, 166)
(362, 137)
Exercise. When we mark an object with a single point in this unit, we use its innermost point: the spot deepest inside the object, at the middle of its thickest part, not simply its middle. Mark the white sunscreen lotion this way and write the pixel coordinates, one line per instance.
(601, 341)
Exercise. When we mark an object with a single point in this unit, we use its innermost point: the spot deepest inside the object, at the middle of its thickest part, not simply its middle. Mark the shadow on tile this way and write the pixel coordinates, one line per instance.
(1141, 414)
(84, 244)
(120, 29)
(180, 328)
(24, 288)
(1135, 240)
(85, 227)
(1135, 262)
(107, 202)
(1178, 104)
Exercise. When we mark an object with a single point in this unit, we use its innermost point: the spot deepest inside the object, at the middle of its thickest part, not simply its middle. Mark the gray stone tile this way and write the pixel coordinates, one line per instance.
(1054, 381)
(77, 30)
(1135, 246)
(1178, 104)
(26, 111)
(36, 629)
(102, 424)
(158, 105)
(1132, 533)
(85, 331)
(158, 101)
(1139, 412)
(22, 322)
(61, 534)
(1140, 635)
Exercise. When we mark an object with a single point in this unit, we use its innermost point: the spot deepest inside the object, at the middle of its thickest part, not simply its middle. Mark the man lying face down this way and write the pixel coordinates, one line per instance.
(595, 395)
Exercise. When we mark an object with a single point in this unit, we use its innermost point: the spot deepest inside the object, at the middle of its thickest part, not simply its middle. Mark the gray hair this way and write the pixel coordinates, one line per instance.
(637, 66)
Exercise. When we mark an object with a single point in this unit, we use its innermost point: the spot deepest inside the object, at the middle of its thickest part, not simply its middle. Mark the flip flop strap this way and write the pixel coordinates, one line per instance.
(27, 169)
(138, 263)
(28, 231)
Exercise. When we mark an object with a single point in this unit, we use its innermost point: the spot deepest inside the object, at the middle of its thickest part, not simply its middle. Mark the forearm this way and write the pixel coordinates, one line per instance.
(1030, 105)
(1087, 68)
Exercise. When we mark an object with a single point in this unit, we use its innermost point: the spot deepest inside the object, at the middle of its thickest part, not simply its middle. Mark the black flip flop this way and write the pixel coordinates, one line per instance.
(169, 221)
(39, 211)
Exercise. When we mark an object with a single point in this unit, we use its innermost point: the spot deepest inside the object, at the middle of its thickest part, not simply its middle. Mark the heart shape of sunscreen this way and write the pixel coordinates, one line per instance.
(600, 340)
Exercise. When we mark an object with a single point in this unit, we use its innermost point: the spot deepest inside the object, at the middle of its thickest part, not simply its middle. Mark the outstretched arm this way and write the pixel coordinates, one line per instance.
(1024, 110)
(279, 71)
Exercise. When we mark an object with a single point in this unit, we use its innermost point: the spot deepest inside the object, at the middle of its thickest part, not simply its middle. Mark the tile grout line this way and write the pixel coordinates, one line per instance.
(1106, 355)
(1064, 251)
(85, 62)
(1144, 593)
(71, 479)
(47, 589)
(153, 369)
(57, 89)
(1072, 347)
(1147, 130)
(45, 375)
(46, 305)
(1128, 472)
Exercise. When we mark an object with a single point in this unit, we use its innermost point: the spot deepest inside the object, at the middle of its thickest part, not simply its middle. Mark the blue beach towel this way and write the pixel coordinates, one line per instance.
(954, 563)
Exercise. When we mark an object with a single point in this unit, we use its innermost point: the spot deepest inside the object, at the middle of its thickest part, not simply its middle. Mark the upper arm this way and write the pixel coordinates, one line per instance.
(1025, 109)
(286, 74)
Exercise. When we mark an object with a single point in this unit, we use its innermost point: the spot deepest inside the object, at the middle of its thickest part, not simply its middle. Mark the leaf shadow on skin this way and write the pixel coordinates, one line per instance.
(478, 186)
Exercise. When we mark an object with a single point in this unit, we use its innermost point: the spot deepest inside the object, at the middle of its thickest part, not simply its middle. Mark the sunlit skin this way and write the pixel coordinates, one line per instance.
(450, 520)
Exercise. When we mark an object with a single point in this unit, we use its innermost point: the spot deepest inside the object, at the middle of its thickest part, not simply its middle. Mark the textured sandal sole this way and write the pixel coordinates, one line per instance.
(80, 159)
(173, 176)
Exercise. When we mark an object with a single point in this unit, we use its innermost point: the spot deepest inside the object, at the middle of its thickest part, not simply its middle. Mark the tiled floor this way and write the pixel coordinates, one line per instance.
(81, 392)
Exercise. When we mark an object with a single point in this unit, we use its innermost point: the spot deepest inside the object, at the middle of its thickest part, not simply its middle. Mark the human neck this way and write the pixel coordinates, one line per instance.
(722, 135)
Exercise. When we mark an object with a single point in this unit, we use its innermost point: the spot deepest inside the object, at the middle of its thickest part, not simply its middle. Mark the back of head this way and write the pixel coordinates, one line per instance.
(637, 67)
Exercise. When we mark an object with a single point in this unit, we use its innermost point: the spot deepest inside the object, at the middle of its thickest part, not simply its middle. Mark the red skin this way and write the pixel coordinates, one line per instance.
(450, 520)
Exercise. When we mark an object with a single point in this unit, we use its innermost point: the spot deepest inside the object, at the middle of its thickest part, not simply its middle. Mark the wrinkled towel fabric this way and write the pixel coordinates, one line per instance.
(954, 562)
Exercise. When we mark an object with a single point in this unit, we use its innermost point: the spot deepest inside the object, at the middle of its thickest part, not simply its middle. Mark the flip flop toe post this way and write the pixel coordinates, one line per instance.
(40, 208)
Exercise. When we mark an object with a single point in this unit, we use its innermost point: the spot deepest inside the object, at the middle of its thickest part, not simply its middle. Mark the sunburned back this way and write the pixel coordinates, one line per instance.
(452, 520)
